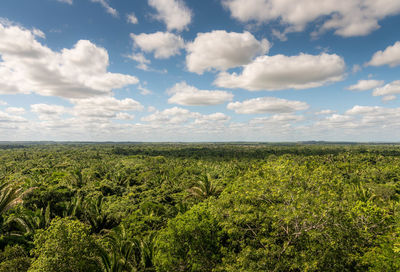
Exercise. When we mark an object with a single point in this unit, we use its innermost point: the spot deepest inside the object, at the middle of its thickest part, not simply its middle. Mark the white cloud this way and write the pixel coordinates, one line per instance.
(170, 119)
(267, 105)
(3, 103)
(173, 115)
(104, 107)
(15, 110)
(281, 120)
(222, 50)
(364, 85)
(124, 116)
(184, 94)
(389, 89)
(212, 118)
(131, 18)
(356, 68)
(390, 56)
(325, 112)
(162, 44)
(360, 118)
(48, 112)
(346, 17)
(107, 7)
(387, 98)
(281, 72)
(144, 91)
(28, 66)
(173, 13)
(70, 2)
(8, 118)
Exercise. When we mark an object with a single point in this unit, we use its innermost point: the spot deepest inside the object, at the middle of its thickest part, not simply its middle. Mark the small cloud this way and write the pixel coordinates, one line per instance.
(184, 94)
(144, 91)
(15, 110)
(356, 68)
(131, 18)
(388, 98)
(325, 112)
(107, 7)
(174, 13)
(364, 85)
(70, 2)
(267, 105)
(390, 56)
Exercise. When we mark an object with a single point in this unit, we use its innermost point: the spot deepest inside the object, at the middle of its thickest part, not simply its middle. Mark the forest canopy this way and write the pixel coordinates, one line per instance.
(199, 207)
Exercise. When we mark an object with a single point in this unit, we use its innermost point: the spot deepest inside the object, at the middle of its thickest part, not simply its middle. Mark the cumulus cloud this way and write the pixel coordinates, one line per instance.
(8, 118)
(222, 50)
(213, 118)
(124, 116)
(3, 103)
(390, 56)
(389, 91)
(131, 18)
(281, 72)
(107, 7)
(174, 13)
(364, 85)
(104, 107)
(172, 118)
(325, 112)
(70, 2)
(47, 112)
(388, 98)
(173, 115)
(162, 44)
(346, 17)
(184, 94)
(267, 105)
(28, 66)
(363, 117)
(15, 110)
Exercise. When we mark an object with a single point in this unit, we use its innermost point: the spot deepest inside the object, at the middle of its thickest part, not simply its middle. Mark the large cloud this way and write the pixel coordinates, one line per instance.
(28, 66)
(162, 44)
(222, 50)
(346, 17)
(364, 85)
(173, 13)
(285, 72)
(184, 94)
(267, 105)
(390, 56)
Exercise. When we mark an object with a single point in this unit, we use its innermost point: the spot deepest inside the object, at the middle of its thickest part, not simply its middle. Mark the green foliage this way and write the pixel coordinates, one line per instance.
(199, 207)
(14, 259)
(65, 246)
(191, 242)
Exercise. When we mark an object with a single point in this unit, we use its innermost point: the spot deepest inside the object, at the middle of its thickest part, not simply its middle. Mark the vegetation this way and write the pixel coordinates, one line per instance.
(191, 207)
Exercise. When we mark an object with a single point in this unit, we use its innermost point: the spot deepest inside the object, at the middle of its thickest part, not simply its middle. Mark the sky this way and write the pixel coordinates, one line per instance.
(195, 71)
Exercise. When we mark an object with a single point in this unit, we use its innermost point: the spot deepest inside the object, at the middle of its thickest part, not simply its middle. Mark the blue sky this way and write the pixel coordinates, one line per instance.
(211, 70)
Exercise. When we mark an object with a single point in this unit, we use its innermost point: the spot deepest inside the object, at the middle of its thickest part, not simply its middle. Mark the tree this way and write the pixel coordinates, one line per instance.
(14, 259)
(204, 188)
(65, 246)
(191, 242)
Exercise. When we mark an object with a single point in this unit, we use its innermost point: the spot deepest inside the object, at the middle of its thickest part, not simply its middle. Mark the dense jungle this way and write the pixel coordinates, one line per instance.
(199, 207)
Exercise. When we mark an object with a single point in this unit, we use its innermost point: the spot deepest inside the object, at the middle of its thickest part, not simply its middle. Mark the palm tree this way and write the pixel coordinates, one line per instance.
(204, 188)
(96, 216)
(10, 196)
(123, 252)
